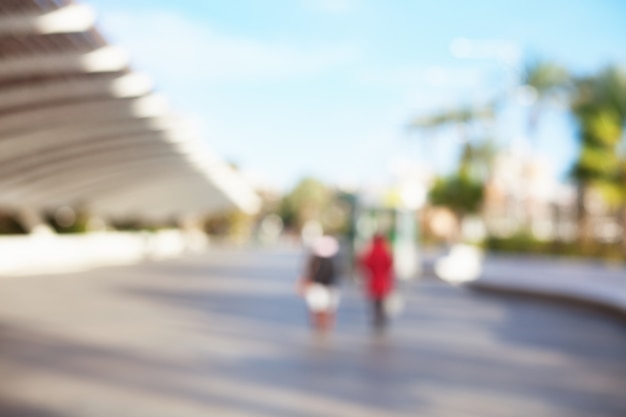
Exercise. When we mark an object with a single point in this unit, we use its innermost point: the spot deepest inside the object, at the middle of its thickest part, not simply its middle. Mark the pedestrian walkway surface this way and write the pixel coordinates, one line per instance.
(223, 334)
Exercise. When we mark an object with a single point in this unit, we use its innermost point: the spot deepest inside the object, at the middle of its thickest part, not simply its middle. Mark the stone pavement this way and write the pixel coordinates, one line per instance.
(222, 334)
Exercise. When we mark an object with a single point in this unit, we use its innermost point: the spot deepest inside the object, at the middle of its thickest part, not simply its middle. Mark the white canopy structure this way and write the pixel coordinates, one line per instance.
(78, 127)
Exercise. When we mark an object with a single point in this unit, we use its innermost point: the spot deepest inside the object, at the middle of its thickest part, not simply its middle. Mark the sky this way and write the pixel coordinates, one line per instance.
(326, 88)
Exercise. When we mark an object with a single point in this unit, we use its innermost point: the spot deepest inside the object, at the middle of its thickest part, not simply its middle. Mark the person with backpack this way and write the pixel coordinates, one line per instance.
(318, 285)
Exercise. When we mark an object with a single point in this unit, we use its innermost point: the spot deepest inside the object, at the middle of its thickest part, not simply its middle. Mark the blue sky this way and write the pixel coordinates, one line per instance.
(287, 88)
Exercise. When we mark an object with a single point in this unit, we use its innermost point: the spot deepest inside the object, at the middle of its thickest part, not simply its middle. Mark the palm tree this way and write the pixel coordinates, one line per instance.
(462, 191)
(612, 88)
(460, 117)
(543, 81)
(599, 105)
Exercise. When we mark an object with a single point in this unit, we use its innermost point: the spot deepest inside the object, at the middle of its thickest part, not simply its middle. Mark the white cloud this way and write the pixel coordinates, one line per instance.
(175, 46)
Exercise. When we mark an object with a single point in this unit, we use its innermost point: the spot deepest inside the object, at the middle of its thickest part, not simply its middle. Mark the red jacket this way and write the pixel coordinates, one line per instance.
(377, 262)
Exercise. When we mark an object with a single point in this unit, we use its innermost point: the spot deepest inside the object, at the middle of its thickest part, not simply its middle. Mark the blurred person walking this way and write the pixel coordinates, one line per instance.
(318, 285)
(377, 263)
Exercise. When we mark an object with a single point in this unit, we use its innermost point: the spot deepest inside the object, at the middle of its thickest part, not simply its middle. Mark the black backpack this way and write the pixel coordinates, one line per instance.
(322, 270)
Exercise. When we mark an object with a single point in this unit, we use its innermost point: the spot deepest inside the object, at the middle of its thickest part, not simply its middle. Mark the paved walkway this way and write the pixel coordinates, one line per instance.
(222, 334)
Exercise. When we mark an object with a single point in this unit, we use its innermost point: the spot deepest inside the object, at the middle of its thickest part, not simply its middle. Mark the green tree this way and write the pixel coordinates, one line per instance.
(308, 200)
(462, 192)
(599, 105)
(233, 224)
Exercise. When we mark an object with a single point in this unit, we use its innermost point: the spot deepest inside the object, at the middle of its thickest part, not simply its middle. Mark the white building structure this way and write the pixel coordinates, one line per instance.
(78, 126)
(523, 193)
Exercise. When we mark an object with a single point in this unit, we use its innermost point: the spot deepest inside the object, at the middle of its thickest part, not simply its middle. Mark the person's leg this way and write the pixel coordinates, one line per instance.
(380, 318)
(322, 320)
(322, 302)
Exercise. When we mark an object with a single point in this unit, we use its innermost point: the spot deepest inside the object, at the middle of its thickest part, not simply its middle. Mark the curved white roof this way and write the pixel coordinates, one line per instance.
(77, 126)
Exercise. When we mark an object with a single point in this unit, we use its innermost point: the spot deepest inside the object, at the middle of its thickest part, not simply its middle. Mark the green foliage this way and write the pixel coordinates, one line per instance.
(614, 188)
(609, 88)
(232, 224)
(524, 243)
(458, 192)
(313, 200)
(599, 105)
(613, 193)
(545, 77)
(132, 225)
(595, 164)
(10, 225)
(460, 115)
(477, 159)
(462, 191)
(307, 201)
(605, 126)
(518, 243)
(79, 223)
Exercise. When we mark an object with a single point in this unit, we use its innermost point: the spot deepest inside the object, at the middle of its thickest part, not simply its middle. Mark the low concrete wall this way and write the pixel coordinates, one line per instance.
(594, 283)
(50, 253)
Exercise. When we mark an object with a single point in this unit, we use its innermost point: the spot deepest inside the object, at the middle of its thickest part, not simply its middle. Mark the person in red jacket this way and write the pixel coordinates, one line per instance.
(377, 262)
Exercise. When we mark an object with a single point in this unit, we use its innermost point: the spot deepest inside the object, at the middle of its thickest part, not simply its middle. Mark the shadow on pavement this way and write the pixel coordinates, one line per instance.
(11, 408)
(152, 380)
